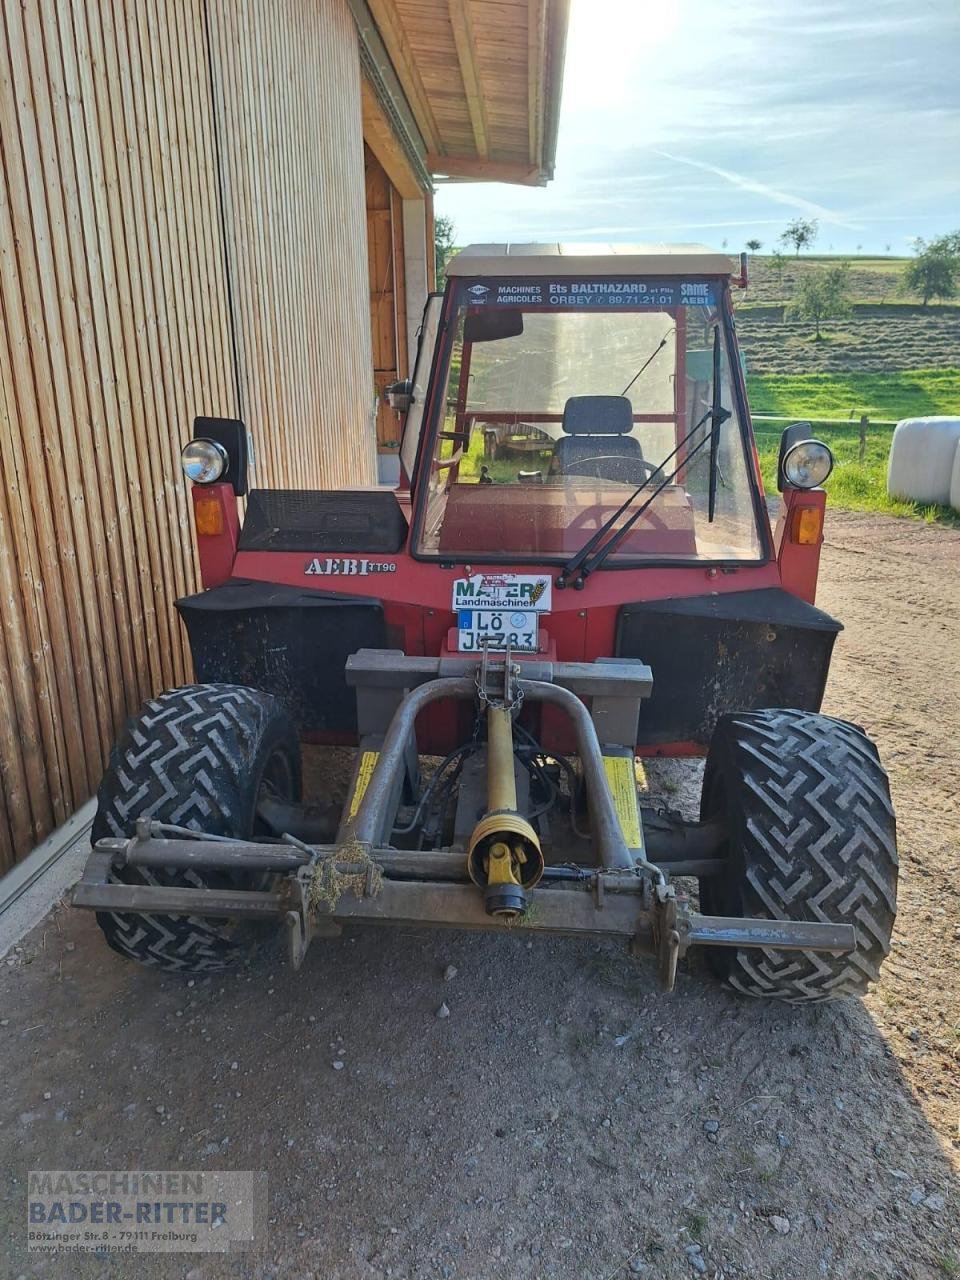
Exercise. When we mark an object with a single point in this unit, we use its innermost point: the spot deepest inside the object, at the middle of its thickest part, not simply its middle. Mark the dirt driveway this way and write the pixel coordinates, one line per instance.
(564, 1120)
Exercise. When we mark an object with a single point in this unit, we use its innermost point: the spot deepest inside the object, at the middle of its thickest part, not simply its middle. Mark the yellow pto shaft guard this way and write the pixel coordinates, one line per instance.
(504, 854)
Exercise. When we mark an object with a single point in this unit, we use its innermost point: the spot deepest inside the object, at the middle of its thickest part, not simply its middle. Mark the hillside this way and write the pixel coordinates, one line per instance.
(872, 280)
(872, 340)
(886, 333)
(891, 358)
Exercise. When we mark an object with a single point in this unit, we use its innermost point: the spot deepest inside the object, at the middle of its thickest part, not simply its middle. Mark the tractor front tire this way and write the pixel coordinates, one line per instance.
(200, 757)
(811, 836)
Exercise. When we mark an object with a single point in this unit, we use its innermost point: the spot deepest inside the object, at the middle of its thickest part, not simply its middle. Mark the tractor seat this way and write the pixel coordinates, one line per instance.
(596, 440)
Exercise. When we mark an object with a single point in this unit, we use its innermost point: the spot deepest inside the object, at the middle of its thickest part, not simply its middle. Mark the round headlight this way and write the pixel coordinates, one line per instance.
(807, 464)
(203, 461)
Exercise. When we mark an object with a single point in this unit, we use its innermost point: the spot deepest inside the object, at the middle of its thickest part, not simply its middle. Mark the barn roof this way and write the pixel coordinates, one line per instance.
(480, 82)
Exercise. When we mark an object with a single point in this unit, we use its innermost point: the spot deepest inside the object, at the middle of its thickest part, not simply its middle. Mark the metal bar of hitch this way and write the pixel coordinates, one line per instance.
(151, 899)
(242, 855)
(421, 878)
(182, 853)
(780, 935)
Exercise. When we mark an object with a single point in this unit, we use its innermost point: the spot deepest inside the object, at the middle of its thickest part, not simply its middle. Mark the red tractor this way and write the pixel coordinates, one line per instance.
(575, 569)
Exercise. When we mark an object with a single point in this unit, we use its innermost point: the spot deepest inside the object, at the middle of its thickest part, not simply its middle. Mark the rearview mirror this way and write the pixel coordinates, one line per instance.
(491, 324)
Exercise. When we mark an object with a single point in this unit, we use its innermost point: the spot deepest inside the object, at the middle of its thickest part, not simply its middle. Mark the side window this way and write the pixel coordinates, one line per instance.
(449, 450)
(413, 426)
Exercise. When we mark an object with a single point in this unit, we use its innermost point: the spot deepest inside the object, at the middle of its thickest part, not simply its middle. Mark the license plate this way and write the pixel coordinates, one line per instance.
(495, 628)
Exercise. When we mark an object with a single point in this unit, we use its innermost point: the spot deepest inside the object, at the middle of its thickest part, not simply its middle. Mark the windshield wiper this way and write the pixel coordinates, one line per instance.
(575, 561)
(580, 563)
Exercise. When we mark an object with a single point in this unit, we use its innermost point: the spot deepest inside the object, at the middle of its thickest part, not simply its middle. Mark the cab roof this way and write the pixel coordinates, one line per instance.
(591, 260)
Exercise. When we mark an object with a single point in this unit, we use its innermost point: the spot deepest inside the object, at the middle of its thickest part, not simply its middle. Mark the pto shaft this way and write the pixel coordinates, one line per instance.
(504, 855)
(501, 778)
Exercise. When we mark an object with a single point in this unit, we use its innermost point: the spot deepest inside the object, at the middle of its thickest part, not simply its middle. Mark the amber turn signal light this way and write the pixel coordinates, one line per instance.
(208, 515)
(806, 526)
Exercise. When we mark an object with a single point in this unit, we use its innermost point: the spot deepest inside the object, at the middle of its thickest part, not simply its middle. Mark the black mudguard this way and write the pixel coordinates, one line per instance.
(735, 651)
(288, 641)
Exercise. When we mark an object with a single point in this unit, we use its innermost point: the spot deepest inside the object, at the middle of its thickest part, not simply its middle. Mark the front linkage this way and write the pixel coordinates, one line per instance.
(493, 874)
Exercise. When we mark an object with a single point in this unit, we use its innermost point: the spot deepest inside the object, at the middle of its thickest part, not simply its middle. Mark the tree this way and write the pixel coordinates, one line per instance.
(754, 245)
(444, 233)
(934, 270)
(801, 233)
(822, 295)
(778, 262)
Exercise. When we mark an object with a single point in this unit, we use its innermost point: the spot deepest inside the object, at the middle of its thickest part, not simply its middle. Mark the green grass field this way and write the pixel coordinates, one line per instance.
(854, 485)
(903, 394)
(874, 261)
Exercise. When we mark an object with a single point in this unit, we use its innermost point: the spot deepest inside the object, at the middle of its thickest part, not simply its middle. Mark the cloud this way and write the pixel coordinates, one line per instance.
(740, 180)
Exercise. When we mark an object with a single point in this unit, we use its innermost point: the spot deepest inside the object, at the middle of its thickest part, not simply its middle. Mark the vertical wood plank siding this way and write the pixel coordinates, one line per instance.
(178, 178)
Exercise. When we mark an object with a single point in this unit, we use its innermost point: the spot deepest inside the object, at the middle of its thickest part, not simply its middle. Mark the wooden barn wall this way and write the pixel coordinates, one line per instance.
(181, 232)
(288, 109)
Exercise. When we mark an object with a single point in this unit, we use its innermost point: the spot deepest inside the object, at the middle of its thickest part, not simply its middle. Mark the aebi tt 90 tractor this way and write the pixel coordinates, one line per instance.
(575, 570)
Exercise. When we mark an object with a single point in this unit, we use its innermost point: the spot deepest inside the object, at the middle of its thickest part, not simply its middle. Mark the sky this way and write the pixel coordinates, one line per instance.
(719, 121)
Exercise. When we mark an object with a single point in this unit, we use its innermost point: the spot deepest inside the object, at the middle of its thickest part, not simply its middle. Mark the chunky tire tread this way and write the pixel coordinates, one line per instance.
(194, 756)
(813, 837)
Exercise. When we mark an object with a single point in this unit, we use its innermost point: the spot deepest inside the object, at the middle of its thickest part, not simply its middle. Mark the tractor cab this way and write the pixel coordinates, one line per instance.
(578, 481)
(561, 382)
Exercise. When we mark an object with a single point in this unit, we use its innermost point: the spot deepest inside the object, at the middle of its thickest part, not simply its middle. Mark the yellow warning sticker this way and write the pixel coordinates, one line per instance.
(623, 788)
(368, 762)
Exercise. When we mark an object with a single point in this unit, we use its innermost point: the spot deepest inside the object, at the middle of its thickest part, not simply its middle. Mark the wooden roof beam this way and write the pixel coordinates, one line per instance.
(465, 40)
(380, 137)
(395, 40)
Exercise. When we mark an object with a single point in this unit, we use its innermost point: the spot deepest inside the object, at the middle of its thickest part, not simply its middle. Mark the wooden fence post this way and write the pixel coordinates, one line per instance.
(863, 435)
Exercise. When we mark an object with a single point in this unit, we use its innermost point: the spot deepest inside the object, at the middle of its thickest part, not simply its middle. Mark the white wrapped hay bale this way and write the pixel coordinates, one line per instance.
(955, 481)
(921, 459)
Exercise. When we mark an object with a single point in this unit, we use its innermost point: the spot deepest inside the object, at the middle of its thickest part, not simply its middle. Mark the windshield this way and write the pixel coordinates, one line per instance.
(559, 400)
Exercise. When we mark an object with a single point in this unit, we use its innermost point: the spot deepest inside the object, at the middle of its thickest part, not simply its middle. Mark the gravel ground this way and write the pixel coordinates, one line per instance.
(565, 1120)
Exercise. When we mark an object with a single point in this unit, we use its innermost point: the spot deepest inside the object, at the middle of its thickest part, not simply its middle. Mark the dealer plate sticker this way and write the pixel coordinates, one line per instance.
(529, 592)
(496, 628)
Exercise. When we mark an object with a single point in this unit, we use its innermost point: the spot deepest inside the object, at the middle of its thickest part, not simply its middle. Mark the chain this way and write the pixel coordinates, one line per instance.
(511, 677)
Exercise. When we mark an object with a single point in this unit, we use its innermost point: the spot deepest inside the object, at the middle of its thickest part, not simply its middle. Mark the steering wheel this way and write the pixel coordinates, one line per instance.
(647, 467)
